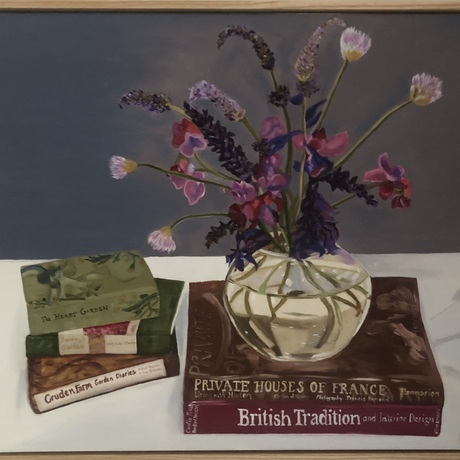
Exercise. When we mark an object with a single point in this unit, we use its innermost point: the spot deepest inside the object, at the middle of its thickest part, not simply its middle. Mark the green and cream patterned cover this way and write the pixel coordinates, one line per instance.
(78, 292)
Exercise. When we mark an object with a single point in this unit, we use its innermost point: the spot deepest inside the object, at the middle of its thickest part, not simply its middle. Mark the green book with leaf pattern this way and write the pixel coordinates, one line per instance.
(78, 292)
(145, 336)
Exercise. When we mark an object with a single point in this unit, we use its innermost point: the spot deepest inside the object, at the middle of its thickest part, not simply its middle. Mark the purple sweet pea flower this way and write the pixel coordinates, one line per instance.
(242, 191)
(269, 178)
(193, 190)
(274, 182)
(187, 138)
(267, 215)
(384, 172)
(269, 165)
(192, 143)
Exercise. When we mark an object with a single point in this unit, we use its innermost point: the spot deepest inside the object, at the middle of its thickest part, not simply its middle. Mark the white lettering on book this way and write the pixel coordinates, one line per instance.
(100, 384)
(299, 417)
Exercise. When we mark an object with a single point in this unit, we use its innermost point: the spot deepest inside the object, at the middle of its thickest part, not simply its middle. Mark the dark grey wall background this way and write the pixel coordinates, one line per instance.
(61, 77)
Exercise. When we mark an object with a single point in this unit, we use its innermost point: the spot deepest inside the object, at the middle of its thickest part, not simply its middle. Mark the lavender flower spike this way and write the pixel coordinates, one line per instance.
(354, 44)
(305, 65)
(425, 89)
(203, 90)
(162, 240)
(157, 103)
(261, 48)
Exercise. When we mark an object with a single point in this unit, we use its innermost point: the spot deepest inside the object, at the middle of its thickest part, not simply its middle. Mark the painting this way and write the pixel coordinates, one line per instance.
(68, 124)
(200, 140)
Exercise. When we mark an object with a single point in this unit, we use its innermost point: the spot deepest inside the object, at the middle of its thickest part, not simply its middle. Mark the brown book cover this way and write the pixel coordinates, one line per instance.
(56, 381)
(384, 382)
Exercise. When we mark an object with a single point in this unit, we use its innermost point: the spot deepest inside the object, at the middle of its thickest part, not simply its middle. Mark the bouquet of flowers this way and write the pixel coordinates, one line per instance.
(274, 184)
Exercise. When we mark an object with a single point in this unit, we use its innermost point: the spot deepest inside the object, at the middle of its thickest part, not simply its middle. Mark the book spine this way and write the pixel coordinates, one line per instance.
(94, 386)
(252, 417)
(67, 344)
(201, 387)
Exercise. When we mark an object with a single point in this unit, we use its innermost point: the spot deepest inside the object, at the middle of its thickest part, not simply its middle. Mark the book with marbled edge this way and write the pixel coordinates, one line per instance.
(58, 381)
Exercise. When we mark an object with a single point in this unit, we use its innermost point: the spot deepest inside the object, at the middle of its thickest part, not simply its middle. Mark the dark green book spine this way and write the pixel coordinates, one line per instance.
(48, 345)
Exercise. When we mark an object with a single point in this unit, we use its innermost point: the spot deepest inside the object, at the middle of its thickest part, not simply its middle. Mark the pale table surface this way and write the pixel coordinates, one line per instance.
(148, 417)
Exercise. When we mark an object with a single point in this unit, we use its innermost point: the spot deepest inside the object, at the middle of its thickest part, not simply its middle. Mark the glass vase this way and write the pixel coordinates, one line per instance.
(298, 310)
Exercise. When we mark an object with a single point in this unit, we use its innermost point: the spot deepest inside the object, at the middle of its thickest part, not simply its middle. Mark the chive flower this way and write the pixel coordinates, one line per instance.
(161, 240)
(120, 167)
(354, 44)
(425, 89)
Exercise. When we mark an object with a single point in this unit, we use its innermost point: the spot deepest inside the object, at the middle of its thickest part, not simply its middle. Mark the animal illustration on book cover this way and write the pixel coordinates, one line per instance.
(384, 382)
(88, 291)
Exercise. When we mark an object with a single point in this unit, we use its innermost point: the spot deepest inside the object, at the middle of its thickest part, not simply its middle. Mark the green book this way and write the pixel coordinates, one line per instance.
(145, 336)
(78, 292)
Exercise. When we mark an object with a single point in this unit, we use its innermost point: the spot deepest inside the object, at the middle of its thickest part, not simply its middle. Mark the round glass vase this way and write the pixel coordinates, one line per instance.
(291, 310)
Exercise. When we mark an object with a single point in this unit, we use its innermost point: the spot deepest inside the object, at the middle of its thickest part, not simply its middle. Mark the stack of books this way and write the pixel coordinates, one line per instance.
(385, 382)
(97, 324)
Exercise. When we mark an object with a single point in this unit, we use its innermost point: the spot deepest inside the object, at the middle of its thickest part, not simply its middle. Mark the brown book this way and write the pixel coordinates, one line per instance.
(384, 382)
(56, 381)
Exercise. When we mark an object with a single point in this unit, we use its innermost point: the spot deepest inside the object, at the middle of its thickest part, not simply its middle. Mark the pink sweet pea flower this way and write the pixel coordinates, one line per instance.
(402, 190)
(274, 182)
(392, 182)
(242, 191)
(269, 179)
(384, 172)
(253, 210)
(187, 138)
(193, 190)
(272, 127)
(318, 142)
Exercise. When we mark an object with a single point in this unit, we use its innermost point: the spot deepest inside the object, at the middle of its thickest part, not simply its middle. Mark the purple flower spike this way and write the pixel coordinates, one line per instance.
(203, 90)
(261, 48)
(305, 66)
(354, 44)
(156, 103)
(384, 172)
